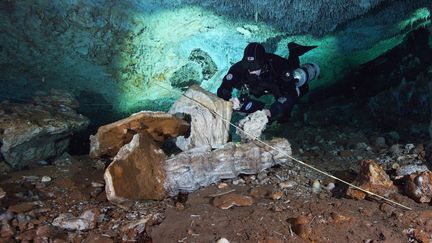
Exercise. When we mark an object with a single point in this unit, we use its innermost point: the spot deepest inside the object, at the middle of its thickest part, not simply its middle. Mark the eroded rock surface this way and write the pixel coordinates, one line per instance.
(190, 170)
(207, 129)
(159, 125)
(371, 178)
(38, 131)
(140, 171)
(137, 171)
(419, 186)
(253, 125)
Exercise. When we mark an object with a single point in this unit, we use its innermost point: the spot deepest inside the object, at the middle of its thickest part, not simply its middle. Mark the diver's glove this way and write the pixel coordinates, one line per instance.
(236, 103)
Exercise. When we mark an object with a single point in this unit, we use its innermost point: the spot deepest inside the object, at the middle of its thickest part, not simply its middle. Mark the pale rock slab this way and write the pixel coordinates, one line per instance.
(252, 125)
(207, 129)
(190, 170)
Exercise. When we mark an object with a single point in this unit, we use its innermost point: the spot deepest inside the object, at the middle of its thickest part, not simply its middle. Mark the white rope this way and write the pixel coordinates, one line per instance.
(289, 156)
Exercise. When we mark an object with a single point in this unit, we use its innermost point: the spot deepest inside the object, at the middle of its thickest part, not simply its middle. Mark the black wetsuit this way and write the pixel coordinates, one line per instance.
(275, 79)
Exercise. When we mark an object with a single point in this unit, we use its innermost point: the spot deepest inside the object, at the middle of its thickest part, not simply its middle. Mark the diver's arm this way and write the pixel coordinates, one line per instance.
(228, 83)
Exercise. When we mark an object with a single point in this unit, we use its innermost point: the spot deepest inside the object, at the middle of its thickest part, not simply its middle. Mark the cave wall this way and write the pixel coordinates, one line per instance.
(114, 55)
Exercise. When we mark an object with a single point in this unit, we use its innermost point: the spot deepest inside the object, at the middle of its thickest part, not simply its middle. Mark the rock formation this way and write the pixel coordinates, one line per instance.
(190, 170)
(371, 178)
(140, 171)
(419, 186)
(137, 171)
(207, 129)
(253, 125)
(38, 131)
(159, 125)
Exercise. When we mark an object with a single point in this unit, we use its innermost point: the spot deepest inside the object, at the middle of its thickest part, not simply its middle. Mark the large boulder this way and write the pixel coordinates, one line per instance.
(159, 125)
(38, 131)
(137, 171)
(207, 128)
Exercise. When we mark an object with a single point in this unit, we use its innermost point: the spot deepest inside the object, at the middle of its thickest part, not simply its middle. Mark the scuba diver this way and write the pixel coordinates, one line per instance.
(260, 73)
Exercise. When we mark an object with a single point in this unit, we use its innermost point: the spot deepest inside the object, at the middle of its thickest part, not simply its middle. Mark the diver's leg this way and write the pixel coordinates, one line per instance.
(281, 109)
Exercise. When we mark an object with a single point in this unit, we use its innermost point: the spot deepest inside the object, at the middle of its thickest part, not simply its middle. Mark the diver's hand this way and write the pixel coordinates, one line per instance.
(236, 103)
(267, 112)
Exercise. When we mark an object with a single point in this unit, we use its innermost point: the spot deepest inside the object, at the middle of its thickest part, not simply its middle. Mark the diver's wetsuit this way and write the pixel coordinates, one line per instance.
(276, 79)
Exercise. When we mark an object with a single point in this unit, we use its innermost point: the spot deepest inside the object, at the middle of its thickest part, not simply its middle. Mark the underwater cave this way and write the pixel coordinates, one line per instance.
(113, 127)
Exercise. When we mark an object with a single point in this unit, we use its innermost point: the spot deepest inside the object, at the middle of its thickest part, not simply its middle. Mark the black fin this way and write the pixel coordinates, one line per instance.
(297, 49)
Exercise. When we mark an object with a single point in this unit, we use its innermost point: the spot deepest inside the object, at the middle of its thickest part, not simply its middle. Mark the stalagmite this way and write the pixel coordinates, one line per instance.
(140, 171)
(207, 129)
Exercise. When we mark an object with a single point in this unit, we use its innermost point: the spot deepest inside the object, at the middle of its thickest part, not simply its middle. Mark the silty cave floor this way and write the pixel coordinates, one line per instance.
(286, 206)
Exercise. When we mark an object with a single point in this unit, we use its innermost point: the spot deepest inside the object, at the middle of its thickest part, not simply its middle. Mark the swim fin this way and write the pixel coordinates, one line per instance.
(298, 49)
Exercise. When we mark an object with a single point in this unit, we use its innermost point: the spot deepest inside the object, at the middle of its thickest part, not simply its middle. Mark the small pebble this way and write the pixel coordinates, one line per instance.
(222, 240)
(277, 195)
(222, 185)
(45, 179)
(316, 186)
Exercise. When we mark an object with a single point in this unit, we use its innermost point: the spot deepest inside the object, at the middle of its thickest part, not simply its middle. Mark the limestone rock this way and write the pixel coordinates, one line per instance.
(137, 171)
(405, 170)
(190, 170)
(419, 186)
(159, 125)
(85, 221)
(372, 178)
(34, 132)
(207, 129)
(56, 98)
(140, 171)
(252, 125)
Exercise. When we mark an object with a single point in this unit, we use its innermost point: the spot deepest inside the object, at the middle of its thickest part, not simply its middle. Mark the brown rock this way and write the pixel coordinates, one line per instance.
(159, 125)
(229, 200)
(418, 186)
(134, 229)
(339, 218)
(7, 230)
(277, 195)
(44, 231)
(371, 178)
(422, 236)
(179, 206)
(26, 236)
(137, 171)
(259, 192)
(22, 207)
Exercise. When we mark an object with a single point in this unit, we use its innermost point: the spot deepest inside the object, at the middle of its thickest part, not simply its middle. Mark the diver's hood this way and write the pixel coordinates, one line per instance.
(254, 56)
